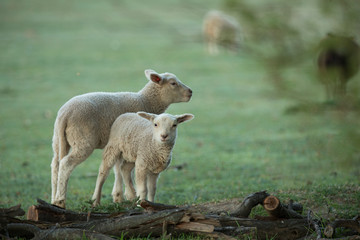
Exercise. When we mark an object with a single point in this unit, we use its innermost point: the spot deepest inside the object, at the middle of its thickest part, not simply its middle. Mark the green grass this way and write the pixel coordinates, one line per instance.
(243, 138)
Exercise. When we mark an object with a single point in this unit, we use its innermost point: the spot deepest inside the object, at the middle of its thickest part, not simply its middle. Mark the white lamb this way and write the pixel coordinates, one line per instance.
(83, 123)
(143, 140)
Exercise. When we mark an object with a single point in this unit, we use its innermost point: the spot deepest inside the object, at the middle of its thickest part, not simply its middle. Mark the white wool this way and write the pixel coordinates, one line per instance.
(83, 123)
(144, 141)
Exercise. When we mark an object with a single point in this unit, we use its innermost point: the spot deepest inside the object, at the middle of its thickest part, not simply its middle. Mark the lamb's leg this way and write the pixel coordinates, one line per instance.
(151, 186)
(54, 175)
(126, 169)
(117, 191)
(67, 165)
(140, 179)
(106, 164)
(54, 169)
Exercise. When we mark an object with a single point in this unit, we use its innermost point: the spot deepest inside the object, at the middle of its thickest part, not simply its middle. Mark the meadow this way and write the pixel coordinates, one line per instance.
(243, 138)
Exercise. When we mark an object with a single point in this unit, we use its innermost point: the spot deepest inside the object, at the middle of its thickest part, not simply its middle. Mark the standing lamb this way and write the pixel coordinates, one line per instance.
(338, 62)
(83, 123)
(220, 29)
(143, 140)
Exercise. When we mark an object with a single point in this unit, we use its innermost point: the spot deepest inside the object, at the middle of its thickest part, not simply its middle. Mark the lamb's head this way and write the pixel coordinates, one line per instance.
(172, 90)
(165, 125)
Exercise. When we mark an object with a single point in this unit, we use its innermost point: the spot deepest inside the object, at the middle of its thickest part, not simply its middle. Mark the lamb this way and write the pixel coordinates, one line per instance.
(141, 140)
(338, 62)
(84, 122)
(219, 28)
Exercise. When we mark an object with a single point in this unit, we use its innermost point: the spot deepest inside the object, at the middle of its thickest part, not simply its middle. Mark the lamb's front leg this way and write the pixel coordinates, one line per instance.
(140, 180)
(126, 169)
(151, 186)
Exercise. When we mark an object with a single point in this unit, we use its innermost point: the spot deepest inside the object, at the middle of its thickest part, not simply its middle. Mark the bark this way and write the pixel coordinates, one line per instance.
(346, 223)
(276, 209)
(134, 226)
(151, 206)
(281, 229)
(166, 221)
(315, 224)
(51, 213)
(249, 203)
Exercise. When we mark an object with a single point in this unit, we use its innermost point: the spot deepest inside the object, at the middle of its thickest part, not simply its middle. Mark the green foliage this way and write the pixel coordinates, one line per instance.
(239, 142)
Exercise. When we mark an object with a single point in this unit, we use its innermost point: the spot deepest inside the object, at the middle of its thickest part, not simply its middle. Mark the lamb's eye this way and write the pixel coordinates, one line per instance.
(173, 83)
(174, 125)
(155, 125)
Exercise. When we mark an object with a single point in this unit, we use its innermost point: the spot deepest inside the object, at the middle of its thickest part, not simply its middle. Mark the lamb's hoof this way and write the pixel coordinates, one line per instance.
(60, 203)
(95, 204)
(130, 196)
(118, 198)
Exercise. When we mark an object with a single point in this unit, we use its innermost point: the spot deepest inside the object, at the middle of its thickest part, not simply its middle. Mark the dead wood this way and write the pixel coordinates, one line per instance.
(195, 227)
(249, 203)
(281, 229)
(29, 231)
(14, 211)
(278, 210)
(346, 223)
(7, 215)
(44, 211)
(315, 224)
(134, 226)
(152, 207)
(165, 221)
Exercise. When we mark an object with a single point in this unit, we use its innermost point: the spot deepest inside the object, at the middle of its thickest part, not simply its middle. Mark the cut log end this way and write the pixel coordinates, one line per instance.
(32, 213)
(271, 203)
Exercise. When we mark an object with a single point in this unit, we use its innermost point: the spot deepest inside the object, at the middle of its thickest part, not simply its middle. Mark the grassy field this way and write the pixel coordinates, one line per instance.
(242, 139)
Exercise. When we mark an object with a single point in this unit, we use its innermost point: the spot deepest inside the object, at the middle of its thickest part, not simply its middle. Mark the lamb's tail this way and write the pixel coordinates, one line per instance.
(60, 148)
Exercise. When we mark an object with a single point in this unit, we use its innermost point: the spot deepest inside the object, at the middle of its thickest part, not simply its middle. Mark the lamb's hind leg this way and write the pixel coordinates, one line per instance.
(110, 157)
(117, 191)
(66, 166)
(55, 167)
(54, 171)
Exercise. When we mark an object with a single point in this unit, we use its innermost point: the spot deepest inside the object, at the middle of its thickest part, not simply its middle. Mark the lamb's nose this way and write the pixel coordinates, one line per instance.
(164, 136)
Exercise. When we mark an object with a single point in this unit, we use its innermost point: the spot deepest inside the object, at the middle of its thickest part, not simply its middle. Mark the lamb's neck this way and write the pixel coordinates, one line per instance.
(164, 148)
(151, 97)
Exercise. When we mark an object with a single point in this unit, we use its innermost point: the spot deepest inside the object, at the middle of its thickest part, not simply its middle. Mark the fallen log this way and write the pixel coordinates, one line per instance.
(29, 231)
(281, 229)
(44, 211)
(346, 223)
(151, 206)
(249, 203)
(7, 215)
(14, 211)
(278, 210)
(160, 220)
(135, 226)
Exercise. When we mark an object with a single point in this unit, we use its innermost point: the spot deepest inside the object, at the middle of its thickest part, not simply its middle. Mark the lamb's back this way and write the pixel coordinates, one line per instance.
(130, 132)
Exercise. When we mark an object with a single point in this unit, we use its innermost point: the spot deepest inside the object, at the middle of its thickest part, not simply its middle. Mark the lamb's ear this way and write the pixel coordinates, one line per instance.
(184, 117)
(153, 76)
(148, 116)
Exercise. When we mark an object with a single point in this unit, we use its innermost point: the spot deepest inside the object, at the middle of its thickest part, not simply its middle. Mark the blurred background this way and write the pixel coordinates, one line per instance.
(263, 119)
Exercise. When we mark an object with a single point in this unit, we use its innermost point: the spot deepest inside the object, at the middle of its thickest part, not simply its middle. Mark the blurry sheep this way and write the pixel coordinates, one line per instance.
(220, 29)
(338, 61)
